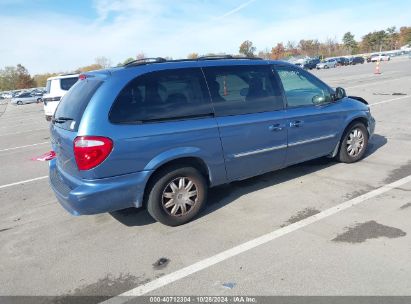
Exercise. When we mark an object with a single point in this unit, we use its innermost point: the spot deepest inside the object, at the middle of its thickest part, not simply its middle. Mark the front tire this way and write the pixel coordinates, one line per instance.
(19, 103)
(177, 195)
(353, 144)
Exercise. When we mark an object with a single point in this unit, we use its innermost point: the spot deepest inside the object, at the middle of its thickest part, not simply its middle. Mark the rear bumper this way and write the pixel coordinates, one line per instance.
(50, 107)
(81, 197)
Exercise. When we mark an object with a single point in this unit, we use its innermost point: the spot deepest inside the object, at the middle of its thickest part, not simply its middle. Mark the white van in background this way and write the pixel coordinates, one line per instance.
(55, 89)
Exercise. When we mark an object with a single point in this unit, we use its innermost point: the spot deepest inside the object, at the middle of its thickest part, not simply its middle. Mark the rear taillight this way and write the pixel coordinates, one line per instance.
(91, 151)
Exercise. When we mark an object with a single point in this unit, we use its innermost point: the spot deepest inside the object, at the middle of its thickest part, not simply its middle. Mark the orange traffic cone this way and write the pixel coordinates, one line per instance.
(377, 68)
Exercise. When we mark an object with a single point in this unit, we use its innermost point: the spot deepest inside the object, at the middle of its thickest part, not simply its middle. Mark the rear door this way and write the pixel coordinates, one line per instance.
(313, 120)
(249, 111)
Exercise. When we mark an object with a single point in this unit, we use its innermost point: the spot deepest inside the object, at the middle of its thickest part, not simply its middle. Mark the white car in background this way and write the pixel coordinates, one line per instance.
(380, 57)
(24, 98)
(56, 88)
(330, 63)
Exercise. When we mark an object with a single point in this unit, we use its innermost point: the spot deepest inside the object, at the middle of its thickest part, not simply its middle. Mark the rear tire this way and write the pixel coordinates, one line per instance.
(353, 144)
(177, 194)
(19, 103)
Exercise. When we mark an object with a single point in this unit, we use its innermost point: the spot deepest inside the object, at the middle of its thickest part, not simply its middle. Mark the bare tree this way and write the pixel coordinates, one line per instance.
(140, 55)
(104, 62)
(247, 48)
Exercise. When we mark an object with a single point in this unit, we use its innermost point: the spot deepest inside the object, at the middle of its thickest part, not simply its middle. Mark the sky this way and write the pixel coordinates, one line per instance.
(61, 35)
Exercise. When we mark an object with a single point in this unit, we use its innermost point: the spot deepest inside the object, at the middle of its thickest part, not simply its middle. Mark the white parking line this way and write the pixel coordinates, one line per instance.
(23, 182)
(222, 256)
(388, 100)
(28, 131)
(26, 146)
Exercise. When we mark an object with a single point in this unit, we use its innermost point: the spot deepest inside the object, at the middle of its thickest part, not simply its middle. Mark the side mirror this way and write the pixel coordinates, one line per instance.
(319, 99)
(340, 93)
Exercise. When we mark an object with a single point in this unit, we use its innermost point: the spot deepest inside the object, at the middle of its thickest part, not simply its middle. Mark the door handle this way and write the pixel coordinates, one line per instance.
(275, 127)
(296, 124)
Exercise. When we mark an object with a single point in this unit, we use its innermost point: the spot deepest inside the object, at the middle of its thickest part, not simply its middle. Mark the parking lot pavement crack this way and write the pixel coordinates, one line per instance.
(359, 233)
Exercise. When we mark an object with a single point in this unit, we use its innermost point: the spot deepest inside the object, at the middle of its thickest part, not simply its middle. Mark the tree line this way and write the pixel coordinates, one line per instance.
(15, 78)
(377, 41)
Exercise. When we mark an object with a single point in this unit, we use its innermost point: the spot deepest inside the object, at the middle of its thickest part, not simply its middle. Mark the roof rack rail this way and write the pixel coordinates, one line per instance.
(145, 61)
(214, 57)
(217, 57)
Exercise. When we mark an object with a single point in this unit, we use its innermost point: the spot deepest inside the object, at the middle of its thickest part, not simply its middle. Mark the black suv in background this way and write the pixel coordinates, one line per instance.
(356, 60)
(311, 64)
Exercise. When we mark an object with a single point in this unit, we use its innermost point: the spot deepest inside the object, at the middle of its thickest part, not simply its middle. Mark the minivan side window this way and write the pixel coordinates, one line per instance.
(301, 88)
(238, 90)
(163, 95)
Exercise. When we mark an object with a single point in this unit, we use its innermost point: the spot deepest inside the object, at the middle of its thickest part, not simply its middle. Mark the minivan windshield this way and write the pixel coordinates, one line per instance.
(73, 104)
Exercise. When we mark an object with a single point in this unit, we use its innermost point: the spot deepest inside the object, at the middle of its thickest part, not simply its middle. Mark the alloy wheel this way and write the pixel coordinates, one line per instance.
(179, 196)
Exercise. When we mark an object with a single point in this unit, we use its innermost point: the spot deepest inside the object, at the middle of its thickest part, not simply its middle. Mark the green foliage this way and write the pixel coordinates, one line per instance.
(405, 35)
(14, 78)
(247, 49)
(41, 79)
(129, 59)
(88, 68)
(349, 43)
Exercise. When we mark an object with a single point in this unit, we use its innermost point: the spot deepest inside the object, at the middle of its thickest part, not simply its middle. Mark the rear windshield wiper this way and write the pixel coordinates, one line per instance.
(62, 119)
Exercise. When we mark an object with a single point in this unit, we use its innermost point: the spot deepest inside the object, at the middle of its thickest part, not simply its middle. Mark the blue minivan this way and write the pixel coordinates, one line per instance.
(158, 133)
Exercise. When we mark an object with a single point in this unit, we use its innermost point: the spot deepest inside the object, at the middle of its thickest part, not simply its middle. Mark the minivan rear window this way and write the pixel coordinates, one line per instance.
(73, 104)
(67, 83)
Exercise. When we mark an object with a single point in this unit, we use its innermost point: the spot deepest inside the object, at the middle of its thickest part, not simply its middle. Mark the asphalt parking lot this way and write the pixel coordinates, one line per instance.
(318, 228)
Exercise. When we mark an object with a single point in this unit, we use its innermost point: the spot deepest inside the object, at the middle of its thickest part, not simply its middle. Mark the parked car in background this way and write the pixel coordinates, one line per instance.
(370, 57)
(7, 95)
(37, 92)
(356, 60)
(159, 133)
(341, 61)
(330, 63)
(311, 64)
(25, 98)
(380, 57)
(56, 88)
